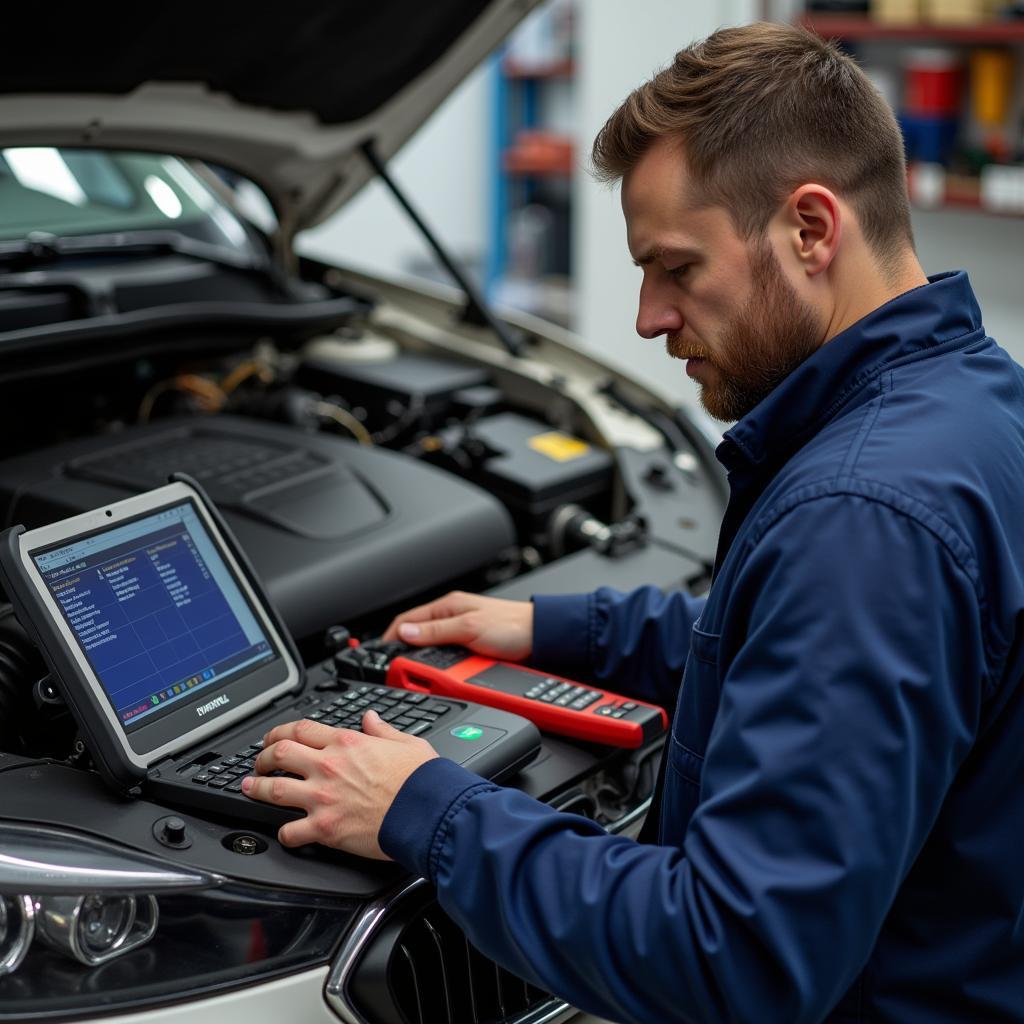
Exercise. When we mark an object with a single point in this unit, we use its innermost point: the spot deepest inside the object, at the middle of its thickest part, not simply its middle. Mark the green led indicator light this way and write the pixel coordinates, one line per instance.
(467, 732)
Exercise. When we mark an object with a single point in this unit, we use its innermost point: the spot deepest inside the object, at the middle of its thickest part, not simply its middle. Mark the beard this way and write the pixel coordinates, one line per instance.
(764, 343)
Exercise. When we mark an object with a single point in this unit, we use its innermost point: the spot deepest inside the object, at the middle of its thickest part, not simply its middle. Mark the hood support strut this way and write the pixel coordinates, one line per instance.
(476, 310)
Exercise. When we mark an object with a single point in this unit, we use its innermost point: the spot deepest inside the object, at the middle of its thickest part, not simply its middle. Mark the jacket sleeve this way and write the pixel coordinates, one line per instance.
(842, 721)
(635, 643)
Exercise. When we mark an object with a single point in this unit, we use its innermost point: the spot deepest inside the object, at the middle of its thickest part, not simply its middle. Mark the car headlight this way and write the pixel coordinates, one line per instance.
(94, 929)
(17, 921)
(88, 926)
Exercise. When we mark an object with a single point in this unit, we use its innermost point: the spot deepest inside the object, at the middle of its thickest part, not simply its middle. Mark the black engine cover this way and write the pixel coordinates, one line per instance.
(335, 530)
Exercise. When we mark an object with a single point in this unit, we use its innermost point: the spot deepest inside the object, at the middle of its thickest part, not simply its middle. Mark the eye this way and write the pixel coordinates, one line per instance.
(679, 271)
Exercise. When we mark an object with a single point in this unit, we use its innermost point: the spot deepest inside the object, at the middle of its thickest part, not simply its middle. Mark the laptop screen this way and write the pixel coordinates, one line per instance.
(157, 614)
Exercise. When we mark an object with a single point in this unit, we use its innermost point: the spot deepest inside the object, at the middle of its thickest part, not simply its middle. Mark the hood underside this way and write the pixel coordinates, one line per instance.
(284, 94)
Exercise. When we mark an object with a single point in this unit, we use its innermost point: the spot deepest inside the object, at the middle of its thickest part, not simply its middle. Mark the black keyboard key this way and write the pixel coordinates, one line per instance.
(231, 760)
(403, 722)
(391, 714)
(437, 708)
(418, 728)
(201, 778)
(235, 786)
(219, 782)
(215, 769)
(415, 698)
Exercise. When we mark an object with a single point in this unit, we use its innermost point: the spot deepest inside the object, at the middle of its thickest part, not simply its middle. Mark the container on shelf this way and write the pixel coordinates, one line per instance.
(929, 139)
(1002, 188)
(896, 12)
(934, 79)
(991, 85)
(958, 12)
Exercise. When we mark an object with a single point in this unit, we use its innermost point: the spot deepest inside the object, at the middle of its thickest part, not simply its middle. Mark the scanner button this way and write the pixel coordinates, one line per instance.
(549, 697)
(629, 706)
(604, 709)
(619, 713)
(468, 732)
(564, 701)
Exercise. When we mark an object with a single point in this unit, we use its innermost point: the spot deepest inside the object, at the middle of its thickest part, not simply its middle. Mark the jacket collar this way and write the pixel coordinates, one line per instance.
(913, 322)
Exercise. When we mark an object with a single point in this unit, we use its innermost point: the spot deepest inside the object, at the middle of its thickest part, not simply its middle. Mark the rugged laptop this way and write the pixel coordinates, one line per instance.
(174, 663)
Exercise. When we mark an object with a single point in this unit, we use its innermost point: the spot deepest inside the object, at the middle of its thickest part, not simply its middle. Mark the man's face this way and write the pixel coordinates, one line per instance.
(722, 303)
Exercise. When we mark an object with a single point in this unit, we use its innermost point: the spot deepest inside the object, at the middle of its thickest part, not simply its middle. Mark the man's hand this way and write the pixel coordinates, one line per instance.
(349, 780)
(487, 625)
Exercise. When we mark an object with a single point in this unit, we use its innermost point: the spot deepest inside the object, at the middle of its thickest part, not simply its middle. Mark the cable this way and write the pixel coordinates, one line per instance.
(210, 396)
(344, 419)
(243, 371)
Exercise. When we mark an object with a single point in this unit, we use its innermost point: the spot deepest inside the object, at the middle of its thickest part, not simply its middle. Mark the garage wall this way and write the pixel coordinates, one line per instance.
(620, 46)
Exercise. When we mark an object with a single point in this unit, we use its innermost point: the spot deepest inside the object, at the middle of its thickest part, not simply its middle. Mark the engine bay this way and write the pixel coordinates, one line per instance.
(363, 469)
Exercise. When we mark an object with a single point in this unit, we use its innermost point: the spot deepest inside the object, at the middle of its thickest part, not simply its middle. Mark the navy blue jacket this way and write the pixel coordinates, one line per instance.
(842, 830)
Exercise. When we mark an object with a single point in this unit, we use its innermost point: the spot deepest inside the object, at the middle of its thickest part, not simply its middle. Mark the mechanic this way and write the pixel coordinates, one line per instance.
(838, 828)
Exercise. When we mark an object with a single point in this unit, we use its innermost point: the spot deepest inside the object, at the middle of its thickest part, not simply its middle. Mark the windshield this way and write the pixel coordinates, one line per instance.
(85, 192)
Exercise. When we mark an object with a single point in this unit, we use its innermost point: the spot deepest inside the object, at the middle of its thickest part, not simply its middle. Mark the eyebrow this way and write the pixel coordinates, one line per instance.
(658, 252)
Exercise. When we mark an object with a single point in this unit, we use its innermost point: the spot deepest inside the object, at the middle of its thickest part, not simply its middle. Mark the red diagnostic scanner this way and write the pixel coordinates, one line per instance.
(555, 704)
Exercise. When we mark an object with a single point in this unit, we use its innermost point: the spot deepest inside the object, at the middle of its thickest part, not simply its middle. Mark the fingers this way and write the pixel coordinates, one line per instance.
(287, 756)
(374, 725)
(457, 630)
(453, 603)
(298, 833)
(305, 731)
(278, 790)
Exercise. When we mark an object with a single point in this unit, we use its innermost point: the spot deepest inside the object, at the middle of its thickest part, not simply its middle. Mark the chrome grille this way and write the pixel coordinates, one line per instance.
(417, 967)
(437, 977)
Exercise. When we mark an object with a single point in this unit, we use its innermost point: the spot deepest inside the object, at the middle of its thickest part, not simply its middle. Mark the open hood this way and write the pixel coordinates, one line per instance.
(285, 94)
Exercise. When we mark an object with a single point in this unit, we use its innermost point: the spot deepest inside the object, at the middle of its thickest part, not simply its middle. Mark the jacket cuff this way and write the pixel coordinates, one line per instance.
(416, 825)
(562, 634)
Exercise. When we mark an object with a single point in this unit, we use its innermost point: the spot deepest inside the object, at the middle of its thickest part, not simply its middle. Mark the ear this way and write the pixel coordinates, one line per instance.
(813, 223)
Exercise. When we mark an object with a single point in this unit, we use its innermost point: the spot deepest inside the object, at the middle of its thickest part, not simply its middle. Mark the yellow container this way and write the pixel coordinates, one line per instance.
(956, 12)
(896, 12)
(991, 85)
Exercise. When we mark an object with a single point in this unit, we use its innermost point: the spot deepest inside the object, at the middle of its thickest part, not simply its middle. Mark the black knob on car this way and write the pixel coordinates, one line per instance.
(174, 830)
(336, 639)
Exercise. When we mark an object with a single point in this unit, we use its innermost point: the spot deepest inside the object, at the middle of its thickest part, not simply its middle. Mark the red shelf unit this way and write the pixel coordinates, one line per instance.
(852, 28)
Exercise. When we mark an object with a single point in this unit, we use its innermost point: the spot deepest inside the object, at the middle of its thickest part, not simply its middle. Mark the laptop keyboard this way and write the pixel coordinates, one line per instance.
(409, 712)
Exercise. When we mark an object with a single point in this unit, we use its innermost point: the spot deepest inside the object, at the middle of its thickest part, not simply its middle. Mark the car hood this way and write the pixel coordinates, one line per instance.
(284, 94)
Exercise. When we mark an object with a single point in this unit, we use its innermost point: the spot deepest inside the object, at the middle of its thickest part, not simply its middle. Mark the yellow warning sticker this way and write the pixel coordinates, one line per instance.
(558, 446)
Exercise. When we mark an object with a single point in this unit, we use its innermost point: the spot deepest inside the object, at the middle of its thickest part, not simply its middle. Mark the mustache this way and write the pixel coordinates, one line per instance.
(677, 348)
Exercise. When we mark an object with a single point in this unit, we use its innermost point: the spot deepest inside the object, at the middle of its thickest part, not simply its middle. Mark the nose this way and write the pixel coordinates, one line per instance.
(657, 314)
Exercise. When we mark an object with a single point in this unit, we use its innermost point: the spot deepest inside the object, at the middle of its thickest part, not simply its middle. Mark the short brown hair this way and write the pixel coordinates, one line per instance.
(759, 110)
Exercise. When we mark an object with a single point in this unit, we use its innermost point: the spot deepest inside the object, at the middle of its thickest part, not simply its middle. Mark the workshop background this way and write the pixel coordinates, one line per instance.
(501, 167)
